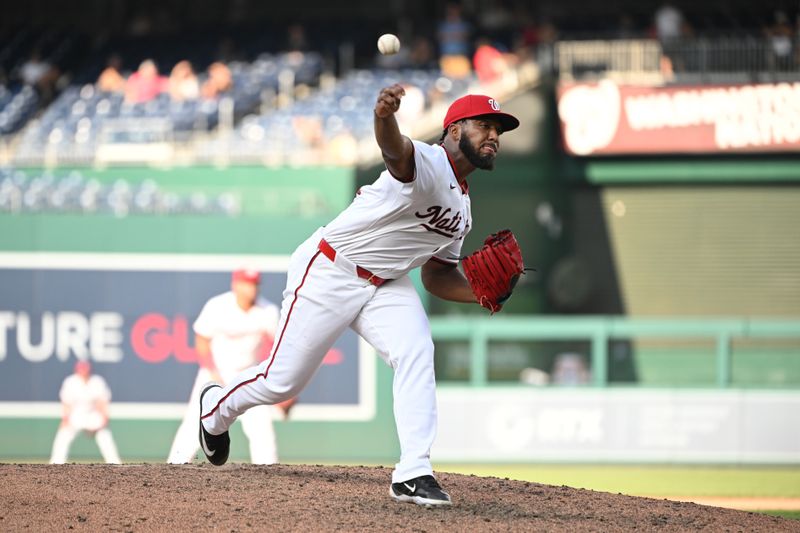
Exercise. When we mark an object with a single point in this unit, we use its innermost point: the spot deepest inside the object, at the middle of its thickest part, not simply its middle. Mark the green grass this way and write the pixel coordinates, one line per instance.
(657, 481)
(791, 515)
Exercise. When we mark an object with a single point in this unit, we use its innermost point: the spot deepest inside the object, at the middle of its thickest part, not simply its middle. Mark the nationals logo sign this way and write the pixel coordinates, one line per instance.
(606, 118)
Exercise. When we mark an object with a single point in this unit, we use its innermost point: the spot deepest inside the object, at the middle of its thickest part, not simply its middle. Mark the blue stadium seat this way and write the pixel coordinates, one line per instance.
(16, 107)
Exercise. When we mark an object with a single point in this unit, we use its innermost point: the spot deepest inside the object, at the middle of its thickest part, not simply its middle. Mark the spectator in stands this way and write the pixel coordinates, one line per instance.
(309, 130)
(40, 74)
(34, 69)
(489, 62)
(296, 40)
(781, 38)
(570, 369)
(668, 22)
(183, 84)
(219, 81)
(145, 84)
(111, 79)
(669, 26)
(454, 37)
(547, 31)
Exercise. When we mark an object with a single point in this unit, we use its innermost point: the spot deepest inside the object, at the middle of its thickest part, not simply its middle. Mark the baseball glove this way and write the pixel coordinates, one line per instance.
(494, 269)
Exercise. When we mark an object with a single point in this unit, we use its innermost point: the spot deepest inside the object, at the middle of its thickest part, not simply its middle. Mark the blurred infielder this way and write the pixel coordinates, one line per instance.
(230, 334)
(84, 403)
(353, 273)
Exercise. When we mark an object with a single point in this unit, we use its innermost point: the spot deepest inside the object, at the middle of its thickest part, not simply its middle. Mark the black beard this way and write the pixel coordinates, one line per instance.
(483, 162)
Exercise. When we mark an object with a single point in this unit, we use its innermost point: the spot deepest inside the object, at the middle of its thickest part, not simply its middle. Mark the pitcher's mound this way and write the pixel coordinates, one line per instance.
(238, 497)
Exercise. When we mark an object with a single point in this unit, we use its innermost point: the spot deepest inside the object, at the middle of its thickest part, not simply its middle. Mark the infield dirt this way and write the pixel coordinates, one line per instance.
(280, 498)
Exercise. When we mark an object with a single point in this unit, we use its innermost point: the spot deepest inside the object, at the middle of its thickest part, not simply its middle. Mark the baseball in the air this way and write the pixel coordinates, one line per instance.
(388, 44)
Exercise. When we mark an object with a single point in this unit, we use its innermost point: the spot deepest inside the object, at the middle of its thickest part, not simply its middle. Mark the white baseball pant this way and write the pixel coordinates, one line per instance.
(321, 299)
(256, 423)
(66, 434)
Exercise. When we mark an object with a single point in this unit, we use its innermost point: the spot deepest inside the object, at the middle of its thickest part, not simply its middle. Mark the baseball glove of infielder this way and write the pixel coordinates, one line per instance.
(494, 269)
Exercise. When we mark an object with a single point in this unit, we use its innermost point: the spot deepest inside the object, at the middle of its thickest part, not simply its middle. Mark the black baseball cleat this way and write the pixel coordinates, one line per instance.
(216, 447)
(423, 490)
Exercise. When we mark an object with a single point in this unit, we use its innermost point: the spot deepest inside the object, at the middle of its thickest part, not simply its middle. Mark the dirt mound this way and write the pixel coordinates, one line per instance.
(237, 497)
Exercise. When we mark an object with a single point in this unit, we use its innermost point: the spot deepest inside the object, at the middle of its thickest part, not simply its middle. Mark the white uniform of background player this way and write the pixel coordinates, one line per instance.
(84, 400)
(415, 214)
(233, 327)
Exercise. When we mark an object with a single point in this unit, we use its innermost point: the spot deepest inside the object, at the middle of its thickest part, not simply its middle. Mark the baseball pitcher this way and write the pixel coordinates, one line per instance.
(353, 273)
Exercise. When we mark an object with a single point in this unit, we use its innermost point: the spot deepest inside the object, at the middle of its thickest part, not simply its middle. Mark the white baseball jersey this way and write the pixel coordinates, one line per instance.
(393, 227)
(82, 397)
(235, 334)
(390, 228)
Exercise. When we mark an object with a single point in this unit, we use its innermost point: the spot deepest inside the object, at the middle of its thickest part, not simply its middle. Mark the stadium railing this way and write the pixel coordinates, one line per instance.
(728, 59)
(599, 330)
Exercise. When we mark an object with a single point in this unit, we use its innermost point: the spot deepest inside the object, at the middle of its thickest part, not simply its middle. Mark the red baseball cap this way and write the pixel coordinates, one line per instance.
(245, 274)
(479, 105)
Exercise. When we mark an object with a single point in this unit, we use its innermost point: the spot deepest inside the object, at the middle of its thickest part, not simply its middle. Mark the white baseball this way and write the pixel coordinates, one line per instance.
(388, 44)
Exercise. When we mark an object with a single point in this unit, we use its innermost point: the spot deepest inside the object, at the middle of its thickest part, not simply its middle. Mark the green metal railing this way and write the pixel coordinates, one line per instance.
(478, 331)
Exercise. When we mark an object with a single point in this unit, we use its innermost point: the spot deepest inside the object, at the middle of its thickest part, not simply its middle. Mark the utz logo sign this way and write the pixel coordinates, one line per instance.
(135, 326)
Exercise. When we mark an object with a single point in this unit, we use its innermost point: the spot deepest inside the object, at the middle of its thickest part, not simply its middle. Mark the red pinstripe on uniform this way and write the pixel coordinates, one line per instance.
(277, 344)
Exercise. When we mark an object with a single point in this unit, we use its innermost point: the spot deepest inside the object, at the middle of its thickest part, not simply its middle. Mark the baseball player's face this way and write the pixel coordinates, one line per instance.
(83, 369)
(245, 291)
(480, 141)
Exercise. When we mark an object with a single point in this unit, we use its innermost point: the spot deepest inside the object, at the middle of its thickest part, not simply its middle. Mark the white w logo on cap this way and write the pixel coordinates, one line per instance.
(494, 105)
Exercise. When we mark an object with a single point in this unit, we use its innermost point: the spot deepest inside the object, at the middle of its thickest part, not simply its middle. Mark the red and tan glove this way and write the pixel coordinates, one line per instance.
(494, 269)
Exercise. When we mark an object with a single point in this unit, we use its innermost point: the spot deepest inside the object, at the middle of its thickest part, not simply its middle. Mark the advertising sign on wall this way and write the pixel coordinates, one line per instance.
(131, 315)
(585, 425)
(605, 118)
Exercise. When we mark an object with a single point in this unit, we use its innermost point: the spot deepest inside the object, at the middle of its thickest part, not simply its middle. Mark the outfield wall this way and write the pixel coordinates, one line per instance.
(620, 426)
(120, 285)
(118, 280)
